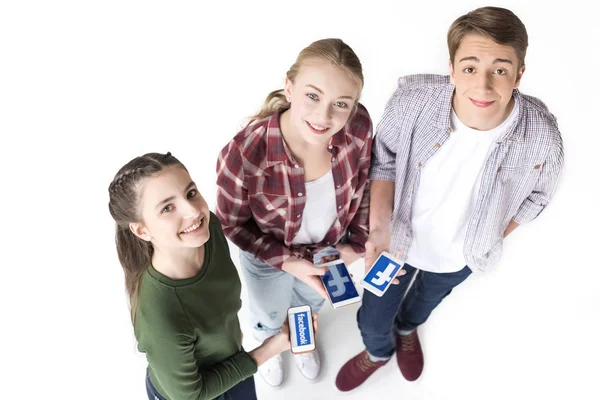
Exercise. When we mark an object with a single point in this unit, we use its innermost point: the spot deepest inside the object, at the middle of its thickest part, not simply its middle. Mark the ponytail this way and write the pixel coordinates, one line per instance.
(275, 102)
(134, 253)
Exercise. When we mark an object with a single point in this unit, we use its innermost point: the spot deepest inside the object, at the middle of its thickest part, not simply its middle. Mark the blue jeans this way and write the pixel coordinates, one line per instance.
(272, 292)
(402, 309)
(244, 390)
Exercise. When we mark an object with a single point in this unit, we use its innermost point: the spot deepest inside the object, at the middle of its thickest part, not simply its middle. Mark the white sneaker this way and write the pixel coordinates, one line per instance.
(272, 370)
(309, 364)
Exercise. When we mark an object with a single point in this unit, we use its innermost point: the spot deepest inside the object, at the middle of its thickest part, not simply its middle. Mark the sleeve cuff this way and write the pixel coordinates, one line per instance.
(527, 212)
(382, 175)
(245, 363)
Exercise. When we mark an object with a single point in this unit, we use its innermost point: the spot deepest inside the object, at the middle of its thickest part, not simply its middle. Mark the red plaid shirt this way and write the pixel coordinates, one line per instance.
(260, 197)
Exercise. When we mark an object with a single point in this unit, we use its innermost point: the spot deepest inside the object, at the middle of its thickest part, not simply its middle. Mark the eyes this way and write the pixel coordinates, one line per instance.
(192, 193)
(339, 104)
(498, 71)
(170, 207)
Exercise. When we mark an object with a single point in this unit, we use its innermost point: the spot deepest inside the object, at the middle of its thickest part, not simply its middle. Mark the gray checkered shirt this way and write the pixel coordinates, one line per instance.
(518, 180)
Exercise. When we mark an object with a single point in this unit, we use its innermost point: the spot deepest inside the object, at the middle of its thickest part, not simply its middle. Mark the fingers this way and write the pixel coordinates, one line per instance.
(321, 290)
(317, 284)
(396, 281)
(319, 271)
(285, 328)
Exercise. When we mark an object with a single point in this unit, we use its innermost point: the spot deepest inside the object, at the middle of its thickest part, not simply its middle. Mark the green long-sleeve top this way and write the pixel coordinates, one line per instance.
(189, 328)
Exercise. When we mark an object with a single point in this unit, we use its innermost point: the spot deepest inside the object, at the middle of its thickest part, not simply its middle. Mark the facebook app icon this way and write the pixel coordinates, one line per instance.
(338, 283)
(382, 272)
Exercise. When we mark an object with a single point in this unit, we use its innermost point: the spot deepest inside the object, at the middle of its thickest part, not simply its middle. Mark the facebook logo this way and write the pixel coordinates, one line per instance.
(382, 272)
(383, 277)
(303, 334)
(338, 283)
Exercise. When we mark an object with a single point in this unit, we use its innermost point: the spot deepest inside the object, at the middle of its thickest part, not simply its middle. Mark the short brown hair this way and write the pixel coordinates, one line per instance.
(499, 24)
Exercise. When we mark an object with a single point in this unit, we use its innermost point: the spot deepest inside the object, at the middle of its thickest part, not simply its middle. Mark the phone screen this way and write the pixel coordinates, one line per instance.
(339, 285)
(381, 274)
(301, 329)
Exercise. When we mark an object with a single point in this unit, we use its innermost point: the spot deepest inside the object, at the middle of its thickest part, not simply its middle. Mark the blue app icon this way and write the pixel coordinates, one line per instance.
(382, 272)
(339, 284)
(303, 334)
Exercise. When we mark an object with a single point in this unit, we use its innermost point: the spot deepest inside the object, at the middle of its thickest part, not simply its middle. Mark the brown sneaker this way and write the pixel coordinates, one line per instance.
(409, 356)
(356, 371)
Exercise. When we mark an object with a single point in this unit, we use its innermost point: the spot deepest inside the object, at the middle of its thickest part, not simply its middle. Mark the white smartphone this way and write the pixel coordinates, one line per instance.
(325, 256)
(302, 333)
(339, 285)
(380, 276)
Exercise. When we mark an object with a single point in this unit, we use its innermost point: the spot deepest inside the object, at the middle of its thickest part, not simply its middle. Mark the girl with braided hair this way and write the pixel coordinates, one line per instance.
(184, 289)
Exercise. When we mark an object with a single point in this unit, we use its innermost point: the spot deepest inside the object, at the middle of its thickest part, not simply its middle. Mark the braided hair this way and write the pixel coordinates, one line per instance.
(135, 254)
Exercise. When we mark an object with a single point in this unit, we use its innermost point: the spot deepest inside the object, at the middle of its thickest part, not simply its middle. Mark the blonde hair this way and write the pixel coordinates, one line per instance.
(334, 51)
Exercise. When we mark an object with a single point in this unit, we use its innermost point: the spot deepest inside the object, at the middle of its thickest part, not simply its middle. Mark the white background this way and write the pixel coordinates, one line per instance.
(86, 86)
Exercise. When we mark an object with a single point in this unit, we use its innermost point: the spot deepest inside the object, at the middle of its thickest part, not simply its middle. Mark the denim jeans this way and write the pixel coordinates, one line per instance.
(244, 390)
(402, 308)
(272, 292)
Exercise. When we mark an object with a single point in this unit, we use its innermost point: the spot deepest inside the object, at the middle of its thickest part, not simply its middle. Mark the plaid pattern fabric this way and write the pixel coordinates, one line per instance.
(519, 177)
(261, 192)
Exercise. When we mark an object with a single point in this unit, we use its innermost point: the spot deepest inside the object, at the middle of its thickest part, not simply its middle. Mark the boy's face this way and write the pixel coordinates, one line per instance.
(485, 74)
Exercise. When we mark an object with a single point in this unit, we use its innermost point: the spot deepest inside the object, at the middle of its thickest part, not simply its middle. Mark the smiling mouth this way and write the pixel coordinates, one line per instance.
(481, 104)
(318, 129)
(195, 226)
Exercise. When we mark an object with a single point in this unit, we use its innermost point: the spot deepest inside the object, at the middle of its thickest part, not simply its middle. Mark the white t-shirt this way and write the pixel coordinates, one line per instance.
(446, 196)
(319, 210)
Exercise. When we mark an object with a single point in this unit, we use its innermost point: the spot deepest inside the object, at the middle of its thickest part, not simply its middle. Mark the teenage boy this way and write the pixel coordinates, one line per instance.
(458, 163)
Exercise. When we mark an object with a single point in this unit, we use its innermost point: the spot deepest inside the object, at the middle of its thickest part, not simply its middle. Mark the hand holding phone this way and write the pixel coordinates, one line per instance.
(379, 278)
(306, 272)
(379, 241)
(272, 346)
(339, 285)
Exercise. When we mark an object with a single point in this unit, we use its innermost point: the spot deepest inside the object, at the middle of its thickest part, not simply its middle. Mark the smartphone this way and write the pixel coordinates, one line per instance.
(302, 333)
(325, 256)
(380, 276)
(339, 285)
